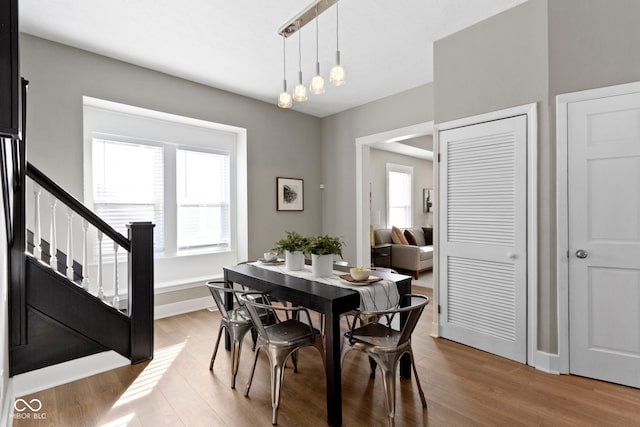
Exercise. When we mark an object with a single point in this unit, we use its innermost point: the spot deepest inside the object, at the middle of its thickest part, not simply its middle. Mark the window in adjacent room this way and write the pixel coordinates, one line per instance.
(399, 191)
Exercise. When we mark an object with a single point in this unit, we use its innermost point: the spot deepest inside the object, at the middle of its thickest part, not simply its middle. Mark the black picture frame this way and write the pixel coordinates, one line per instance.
(289, 194)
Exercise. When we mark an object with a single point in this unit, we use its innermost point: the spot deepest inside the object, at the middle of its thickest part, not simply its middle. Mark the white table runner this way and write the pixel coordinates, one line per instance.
(381, 295)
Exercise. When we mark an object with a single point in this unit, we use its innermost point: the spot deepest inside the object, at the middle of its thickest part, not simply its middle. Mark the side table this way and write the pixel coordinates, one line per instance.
(381, 255)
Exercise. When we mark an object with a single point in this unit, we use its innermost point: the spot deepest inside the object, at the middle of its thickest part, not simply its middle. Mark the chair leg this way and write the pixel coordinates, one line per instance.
(415, 374)
(215, 348)
(253, 369)
(236, 348)
(277, 373)
(388, 368)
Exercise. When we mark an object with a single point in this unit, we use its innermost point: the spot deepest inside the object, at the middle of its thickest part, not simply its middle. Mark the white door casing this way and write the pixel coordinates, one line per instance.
(603, 189)
(483, 236)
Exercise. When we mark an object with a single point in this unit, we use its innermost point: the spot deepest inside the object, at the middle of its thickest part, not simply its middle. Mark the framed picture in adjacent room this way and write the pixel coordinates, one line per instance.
(290, 194)
(427, 200)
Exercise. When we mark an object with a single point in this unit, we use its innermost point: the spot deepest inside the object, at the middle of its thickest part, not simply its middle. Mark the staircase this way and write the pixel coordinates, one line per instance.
(63, 307)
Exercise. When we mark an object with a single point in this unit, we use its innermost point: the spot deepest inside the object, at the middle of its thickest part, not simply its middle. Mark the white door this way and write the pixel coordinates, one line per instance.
(604, 238)
(483, 236)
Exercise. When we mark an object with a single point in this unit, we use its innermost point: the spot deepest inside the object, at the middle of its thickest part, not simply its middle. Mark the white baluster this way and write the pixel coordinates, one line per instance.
(100, 279)
(53, 244)
(85, 267)
(116, 298)
(70, 245)
(37, 233)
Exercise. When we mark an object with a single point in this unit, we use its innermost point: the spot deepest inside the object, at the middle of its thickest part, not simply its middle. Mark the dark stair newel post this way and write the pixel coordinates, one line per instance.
(141, 284)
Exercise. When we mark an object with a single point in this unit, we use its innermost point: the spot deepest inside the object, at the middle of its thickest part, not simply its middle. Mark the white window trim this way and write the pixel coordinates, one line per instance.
(171, 269)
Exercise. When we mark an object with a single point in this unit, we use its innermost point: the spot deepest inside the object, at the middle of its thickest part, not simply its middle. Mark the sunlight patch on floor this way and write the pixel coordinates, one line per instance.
(147, 380)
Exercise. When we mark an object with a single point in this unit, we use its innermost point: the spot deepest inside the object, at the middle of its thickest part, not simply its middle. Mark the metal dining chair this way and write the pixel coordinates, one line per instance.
(235, 321)
(382, 340)
(280, 339)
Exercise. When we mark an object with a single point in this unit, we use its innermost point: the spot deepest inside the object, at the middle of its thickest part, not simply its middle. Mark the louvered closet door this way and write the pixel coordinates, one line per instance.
(483, 236)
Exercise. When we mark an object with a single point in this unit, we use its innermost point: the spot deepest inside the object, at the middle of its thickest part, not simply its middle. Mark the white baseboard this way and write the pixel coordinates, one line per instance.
(7, 405)
(547, 362)
(181, 307)
(51, 376)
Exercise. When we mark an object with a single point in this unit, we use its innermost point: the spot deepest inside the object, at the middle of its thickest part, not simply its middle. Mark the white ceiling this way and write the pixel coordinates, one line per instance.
(386, 45)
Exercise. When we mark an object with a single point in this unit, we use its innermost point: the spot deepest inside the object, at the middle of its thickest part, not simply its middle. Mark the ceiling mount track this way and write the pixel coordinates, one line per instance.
(304, 17)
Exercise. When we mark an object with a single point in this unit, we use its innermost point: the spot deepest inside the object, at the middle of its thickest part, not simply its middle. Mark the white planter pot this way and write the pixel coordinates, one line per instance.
(294, 260)
(322, 265)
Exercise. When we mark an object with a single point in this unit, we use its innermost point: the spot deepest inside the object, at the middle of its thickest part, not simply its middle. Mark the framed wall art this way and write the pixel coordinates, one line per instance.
(427, 199)
(290, 194)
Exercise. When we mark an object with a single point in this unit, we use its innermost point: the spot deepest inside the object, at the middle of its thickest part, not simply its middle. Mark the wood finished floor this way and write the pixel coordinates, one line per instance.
(463, 387)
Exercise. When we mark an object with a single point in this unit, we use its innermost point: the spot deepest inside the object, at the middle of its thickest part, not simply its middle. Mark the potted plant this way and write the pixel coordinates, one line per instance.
(293, 247)
(323, 248)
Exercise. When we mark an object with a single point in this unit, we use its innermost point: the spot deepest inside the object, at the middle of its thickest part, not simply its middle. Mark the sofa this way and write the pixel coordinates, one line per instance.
(413, 255)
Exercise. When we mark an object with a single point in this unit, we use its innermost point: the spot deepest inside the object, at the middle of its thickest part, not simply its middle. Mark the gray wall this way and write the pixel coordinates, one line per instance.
(499, 63)
(280, 142)
(532, 53)
(339, 133)
(422, 178)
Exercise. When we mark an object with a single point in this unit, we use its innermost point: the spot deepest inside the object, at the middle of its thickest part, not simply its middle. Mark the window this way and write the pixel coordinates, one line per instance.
(128, 185)
(203, 199)
(187, 176)
(399, 191)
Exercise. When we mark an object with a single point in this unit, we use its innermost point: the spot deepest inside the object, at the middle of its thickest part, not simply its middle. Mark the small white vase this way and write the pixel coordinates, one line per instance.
(294, 260)
(322, 265)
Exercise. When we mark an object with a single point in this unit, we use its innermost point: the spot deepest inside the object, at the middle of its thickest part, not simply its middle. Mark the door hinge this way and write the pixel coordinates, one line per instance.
(438, 308)
(438, 157)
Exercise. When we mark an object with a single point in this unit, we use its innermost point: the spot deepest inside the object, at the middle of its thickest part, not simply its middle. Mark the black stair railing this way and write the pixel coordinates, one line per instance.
(139, 258)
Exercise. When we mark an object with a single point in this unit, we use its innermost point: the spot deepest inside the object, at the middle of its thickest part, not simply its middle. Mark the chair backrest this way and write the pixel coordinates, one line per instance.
(414, 309)
(411, 305)
(261, 310)
(218, 289)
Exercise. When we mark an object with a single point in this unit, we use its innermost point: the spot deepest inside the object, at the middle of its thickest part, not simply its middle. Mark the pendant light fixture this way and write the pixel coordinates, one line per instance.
(317, 82)
(284, 100)
(337, 76)
(300, 91)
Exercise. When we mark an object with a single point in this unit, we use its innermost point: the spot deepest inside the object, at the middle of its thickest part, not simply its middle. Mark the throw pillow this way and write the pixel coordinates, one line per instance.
(428, 235)
(398, 237)
(411, 239)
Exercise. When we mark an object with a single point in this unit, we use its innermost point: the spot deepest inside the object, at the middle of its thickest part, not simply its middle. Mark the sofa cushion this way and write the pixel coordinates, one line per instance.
(411, 239)
(419, 235)
(382, 236)
(398, 236)
(428, 235)
(426, 252)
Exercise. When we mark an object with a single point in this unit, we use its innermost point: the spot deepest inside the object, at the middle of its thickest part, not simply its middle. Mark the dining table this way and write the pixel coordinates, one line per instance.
(317, 295)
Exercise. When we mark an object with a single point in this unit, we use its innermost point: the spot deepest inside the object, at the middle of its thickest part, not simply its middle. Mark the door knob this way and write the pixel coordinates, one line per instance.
(581, 253)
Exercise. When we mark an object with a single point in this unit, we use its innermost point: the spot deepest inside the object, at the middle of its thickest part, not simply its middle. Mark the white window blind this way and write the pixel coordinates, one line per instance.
(399, 200)
(203, 205)
(128, 186)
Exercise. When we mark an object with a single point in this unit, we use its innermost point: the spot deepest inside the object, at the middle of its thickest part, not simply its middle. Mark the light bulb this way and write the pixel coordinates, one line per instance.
(317, 82)
(317, 85)
(284, 100)
(337, 76)
(300, 93)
